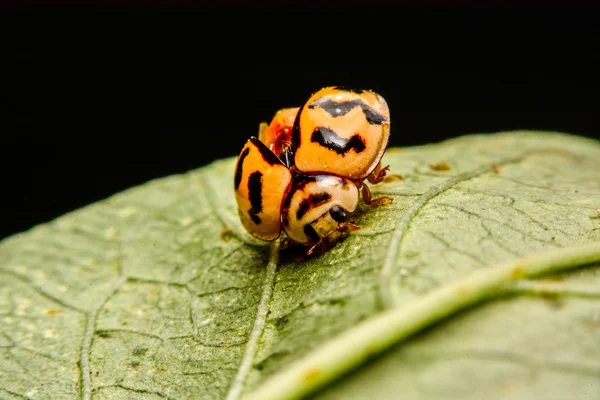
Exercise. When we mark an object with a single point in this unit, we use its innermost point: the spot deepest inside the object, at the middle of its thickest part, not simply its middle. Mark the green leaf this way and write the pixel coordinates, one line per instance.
(480, 280)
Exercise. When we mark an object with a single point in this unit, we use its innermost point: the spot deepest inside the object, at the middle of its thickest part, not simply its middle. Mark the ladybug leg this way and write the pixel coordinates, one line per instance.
(352, 227)
(327, 243)
(312, 249)
(322, 246)
(380, 174)
(366, 195)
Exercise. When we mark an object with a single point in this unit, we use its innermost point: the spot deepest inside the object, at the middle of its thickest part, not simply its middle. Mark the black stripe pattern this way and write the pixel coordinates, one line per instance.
(266, 153)
(255, 194)
(240, 168)
(314, 200)
(337, 109)
(329, 139)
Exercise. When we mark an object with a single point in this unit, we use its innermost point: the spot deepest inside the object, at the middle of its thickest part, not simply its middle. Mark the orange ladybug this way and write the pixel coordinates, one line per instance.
(312, 209)
(344, 133)
(341, 132)
(317, 207)
(277, 136)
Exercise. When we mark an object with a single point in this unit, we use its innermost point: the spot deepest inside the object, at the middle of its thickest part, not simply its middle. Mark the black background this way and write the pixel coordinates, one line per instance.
(103, 98)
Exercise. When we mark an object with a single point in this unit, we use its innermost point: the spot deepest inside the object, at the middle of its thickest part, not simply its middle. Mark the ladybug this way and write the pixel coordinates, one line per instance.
(337, 131)
(305, 171)
(341, 132)
(278, 134)
(310, 207)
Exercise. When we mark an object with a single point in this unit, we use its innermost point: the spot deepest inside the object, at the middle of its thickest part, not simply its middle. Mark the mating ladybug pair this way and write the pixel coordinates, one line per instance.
(306, 168)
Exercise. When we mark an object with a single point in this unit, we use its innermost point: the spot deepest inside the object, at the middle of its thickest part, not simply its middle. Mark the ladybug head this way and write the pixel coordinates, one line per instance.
(317, 206)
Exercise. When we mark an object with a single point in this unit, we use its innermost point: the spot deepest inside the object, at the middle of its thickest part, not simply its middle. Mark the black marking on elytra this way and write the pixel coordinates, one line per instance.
(255, 195)
(310, 232)
(329, 139)
(239, 168)
(299, 182)
(334, 108)
(337, 109)
(314, 200)
(265, 152)
(302, 209)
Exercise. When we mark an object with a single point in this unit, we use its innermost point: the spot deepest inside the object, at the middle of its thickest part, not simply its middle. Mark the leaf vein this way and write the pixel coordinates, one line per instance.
(86, 347)
(259, 324)
(449, 246)
(103, 331)
(387, 271)
(196, 326)
(135, 390)
(498, 243)
(484, 218)
(547, 288)
(41, 291)
(16, 394)
(536, 222)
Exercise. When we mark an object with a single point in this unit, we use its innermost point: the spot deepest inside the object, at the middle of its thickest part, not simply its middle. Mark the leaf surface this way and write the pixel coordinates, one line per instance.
(158, 292)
